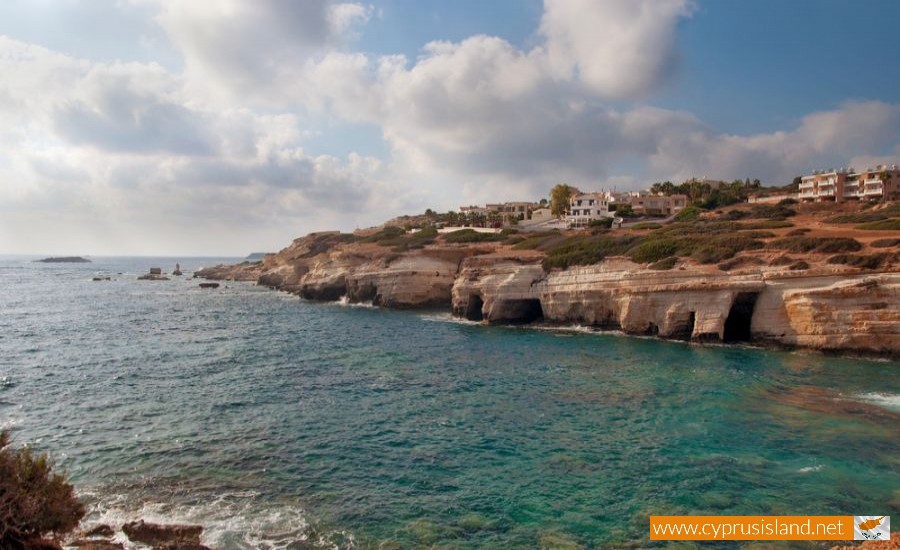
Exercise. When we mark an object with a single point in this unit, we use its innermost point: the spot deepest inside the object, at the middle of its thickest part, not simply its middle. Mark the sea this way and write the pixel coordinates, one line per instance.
(279, 423)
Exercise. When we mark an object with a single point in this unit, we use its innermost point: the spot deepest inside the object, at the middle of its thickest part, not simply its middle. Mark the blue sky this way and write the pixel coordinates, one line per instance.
(244, 124)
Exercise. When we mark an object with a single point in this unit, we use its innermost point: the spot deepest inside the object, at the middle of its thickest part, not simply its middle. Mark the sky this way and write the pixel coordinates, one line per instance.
(164, 127)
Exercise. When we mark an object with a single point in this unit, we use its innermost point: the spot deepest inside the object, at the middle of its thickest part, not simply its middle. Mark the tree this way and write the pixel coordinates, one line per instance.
(543, 203)
(560, 196)
(623, 210)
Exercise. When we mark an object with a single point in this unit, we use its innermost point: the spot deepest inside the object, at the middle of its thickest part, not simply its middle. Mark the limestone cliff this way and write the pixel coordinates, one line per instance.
(827, 309)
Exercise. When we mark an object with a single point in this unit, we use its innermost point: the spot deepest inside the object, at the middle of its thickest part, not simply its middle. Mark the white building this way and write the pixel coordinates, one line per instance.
(586, 207)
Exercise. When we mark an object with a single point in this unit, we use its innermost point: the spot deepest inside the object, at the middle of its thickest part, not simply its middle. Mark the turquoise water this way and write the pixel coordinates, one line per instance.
(272, 420)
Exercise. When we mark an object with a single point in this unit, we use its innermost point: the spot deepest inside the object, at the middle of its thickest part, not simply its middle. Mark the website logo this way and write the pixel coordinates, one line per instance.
(871, 527)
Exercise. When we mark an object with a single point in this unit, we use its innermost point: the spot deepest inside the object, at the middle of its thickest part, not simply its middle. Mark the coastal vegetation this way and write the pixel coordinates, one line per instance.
(35, 501)
(821, 245)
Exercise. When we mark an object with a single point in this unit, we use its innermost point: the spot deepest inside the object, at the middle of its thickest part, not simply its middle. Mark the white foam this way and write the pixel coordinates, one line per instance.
(808, 469)
(447, 318)
(242, 520)
(887, 400)
(344, 301)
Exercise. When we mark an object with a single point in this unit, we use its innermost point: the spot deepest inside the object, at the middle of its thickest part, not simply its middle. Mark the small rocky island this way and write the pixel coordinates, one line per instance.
(64, 260)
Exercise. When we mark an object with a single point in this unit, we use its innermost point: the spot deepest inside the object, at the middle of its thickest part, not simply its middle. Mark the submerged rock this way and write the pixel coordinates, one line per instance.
(209, 285)
(163, 536)
(83, 544)
(101, 530)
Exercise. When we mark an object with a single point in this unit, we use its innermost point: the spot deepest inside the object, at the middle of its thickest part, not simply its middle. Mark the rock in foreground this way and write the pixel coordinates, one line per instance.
(168, 536)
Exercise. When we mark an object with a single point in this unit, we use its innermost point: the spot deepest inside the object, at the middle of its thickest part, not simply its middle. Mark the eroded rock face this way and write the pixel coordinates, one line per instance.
(824, 311)
(832, 313)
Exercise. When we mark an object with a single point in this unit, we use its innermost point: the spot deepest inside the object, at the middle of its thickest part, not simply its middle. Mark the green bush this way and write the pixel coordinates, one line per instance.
(871, 261)
(326, 241)
(472, 236)
(646, 225)
(787, 202)
(688, 214)
(885, 243)
(665, 264)
(586, 250)
(782, 260)
(799, 265)
(800, 231)
(654, 250)
(735, 215)
(768, 224)
(770, 211)
(868, 216)
(537, 241)
(601, 223)
(882, 225)
(34, 501)
(822, 245)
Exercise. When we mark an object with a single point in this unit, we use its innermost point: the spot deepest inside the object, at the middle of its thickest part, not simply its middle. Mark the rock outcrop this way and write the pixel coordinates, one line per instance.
(816, 308)
(162, 535)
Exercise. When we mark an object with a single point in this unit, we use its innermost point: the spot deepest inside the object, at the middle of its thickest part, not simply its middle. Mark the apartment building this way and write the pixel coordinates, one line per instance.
(882, 182)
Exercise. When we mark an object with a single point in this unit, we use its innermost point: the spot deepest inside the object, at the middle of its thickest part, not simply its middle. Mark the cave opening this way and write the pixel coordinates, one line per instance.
(474, 308)
(737, 325)
(525, 311)
(687, 330)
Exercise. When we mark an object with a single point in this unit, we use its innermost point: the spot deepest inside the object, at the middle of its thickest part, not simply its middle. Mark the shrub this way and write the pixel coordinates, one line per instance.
(885, 243)
(787, 202)
(739, 261)
(768, 224)
(799, 265)
(689, 213)
(646, 225)
(34, 501)
(798, 232)
(472, 236)
(735, 215)
(868, 216)
(823, 245)
(326, 241)
(601, 223)
(871, 261)
(883, 225)
(538, 241)
(769, 211)
(664, 264)
(782, 260)
(586, 250)
(654, 250)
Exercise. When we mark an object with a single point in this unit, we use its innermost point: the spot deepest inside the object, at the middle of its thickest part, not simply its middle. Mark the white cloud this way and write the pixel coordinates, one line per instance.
(123, 145)
(616, 48)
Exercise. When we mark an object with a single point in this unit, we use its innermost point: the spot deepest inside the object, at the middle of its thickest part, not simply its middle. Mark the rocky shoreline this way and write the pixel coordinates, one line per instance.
(829, 308)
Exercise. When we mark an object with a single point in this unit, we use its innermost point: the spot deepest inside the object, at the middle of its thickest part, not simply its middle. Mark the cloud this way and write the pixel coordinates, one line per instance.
(616, 48)
(124, 145)
(255, 49)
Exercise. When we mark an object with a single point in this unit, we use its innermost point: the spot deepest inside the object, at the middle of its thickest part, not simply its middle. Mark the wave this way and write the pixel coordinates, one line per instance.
(887, 400)
(230, 520)
(344, 301)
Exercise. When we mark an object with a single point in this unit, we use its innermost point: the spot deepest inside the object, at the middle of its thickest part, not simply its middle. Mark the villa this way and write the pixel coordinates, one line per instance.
(586, 207)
